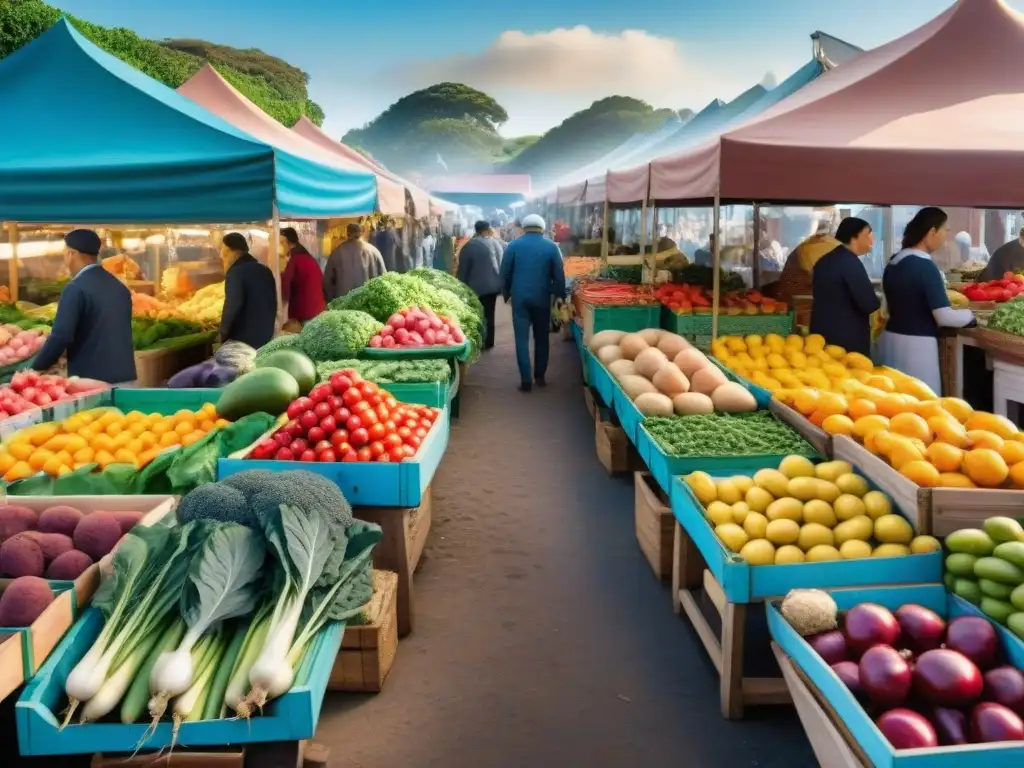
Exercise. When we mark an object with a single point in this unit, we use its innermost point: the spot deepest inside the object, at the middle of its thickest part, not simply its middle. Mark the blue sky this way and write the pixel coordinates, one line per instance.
(677, 53)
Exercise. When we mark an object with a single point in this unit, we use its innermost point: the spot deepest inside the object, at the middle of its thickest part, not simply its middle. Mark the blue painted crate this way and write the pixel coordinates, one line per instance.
(162, 401)
(292, 717)
(852, 714)
(744, 583)
(437, 394)
(600, 378)
(761, 395)
(56, 412)
(368, 484)
(630, 418)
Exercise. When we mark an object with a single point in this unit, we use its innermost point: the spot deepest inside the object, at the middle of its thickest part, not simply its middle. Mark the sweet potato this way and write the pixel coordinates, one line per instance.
(59, 519)
(20, 556)
(24, 600)
(15, 519)
(97, 534)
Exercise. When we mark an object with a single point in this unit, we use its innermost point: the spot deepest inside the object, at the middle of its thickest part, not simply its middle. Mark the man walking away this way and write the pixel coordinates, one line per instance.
(351, 264)
(480, 269)
(532, 273)
(386, 243)
(250, 295)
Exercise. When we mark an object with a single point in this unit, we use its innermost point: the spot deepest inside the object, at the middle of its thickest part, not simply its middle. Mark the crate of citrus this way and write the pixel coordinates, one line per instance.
(102, 436)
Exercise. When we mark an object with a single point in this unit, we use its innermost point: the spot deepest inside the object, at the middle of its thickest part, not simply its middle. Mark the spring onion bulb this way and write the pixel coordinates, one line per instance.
(189, 705)
(134, 703)
(116, 686)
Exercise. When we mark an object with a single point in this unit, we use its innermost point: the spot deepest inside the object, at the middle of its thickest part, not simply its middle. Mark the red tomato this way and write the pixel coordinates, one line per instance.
(328, 424)
(341, 415)
(298, 445)
(340, 381)
(309, 420)
(392, 440)
(354, 375)
(259, 453)
(359, 437)
(344, 448)
(308, 455)
(323, 409)
(282, 438)
(327, 454)
(294, 428)
(338, 437)
(335, 402)
(304, 404)
(376, 448)
(420, 432)
(320, 393)
(390, 402)
(284, 454)
(375, 399)
(426, 423)
(415, 441)
(396, 454)
(377, 432)
(353, 423)
(268, 444)
(389, 425)
(361, 406)
(368, 388)
(412, 424)
(364, 454)
(369, 417)
(409, 451)
(322, 446)
(295, 409)
(404, 432)
(316, 434)
(350, 455)
(382, 412)
(352, 396)
(383, 458)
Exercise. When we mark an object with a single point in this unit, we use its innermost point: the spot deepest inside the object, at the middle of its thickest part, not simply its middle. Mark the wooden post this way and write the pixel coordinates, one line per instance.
(716, 263)
(274, 257)
(655, 240)
(757, 247)
(12, 232)
(604, 237)
(645, 273)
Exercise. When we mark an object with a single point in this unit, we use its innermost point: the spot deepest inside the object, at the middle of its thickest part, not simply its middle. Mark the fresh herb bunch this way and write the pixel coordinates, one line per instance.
(758, 433)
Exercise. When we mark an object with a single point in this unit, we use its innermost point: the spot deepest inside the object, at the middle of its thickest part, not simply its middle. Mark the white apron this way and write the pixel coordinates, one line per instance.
(916, 356)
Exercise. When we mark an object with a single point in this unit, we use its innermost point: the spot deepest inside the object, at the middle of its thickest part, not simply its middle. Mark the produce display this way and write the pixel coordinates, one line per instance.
(686, 298)
(416, 327)
(726, 434)
(985, 566)
(23, 601)
(228, 362)
(144, 305)
(338, 333)
(209, 615)
(1008, 318)
(29, 390)
(604, 292)
(662, 373)
(1003, 289)
(206, 306)
(413, 371)
(957, 300)
(805, 512)
(148, 332)
(17, 345)
(926, 682)
(101, 436)
(61, 542)
(348, 419)
(123, 267)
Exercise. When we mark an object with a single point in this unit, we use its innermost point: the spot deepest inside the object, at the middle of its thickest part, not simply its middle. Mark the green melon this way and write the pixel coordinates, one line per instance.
(267, 390)
(294, 362)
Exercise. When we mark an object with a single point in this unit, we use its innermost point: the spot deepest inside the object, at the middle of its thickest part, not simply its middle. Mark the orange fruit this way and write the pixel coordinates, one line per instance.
(911, 425)
(221, 423)
(837, 424)
(137, 428)
(883, 383)
(985, 467)
(957, 408)
(869, 425)
(121, 440)
(124, 456)
(192, 437)
(20, 449)
(1012, 452)
(19, 471)
(184, 415)
(38, 458)
(102, 442)
(945, 457)
(990, 422)
(818, 418)
(168, 439)
(104, 458)
(161, 427)
(1017, 474)
(955, 480)
(831, 403)
(205, 425)
(76, 443)
(84, 456)
(948, 430)
(806, 401)
(920, 472)
(183, 428)
(148, 456)
(904, 452)
(135, 447)
(7, 462)
(134, 417)
(53, 465)
(980, 438)
(860, 408)
(148, 440)
(930, 408)
(113, 429)
(883, 442)
(891, 405)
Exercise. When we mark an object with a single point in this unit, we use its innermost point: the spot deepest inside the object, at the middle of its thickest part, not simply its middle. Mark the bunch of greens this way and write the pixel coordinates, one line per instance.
(758, 433)
(1008, 317)
(338, 333)
(390, 371)
(147, 332)
(441, 279)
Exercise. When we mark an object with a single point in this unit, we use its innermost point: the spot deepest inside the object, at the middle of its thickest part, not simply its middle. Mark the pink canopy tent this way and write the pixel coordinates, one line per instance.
(933, 117)
(571, 194)
(310, 131)
(208, 89)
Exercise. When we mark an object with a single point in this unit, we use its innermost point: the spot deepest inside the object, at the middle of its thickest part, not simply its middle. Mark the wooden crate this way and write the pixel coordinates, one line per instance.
(368, 650)
(179, 758)
(155, 367)
(819, 439)
(591, 399)
(616, 454)
(689, 577)
(405, 534)
(655, 525)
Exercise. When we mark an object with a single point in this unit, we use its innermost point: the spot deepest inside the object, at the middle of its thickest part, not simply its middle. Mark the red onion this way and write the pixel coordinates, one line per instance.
(975, 638)
(950, 725)
(831, 646)
(849, 673)
(906, 729)
(922, 629)
(885, 675)
(1005, 685)
(947, 678)
(869, 624)
(994, 722)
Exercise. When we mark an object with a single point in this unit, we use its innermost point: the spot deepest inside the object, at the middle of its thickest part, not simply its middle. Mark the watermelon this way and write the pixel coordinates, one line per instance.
(301, 368)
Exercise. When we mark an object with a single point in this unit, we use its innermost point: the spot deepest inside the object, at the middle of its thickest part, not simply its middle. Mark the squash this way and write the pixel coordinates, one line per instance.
(649, 361)
(609, 354)
(634, 386)
(707, 380)
(604, 339)
(621, 368)
(733, 398)
(692, 404)
(690, 361)
(632, 344)
(651, 335)
(670, 380)
(654, 404)
(672, 344)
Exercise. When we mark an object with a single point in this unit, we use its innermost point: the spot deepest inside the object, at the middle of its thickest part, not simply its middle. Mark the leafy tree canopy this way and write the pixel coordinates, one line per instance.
(275, 86)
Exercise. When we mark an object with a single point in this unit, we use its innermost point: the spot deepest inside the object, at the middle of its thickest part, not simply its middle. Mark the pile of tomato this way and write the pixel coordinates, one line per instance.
(348, 419)
(998, 291)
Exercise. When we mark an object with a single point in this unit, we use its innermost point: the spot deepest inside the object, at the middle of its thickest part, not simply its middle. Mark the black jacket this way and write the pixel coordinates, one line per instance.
(250, 303)
(94, 326)
(844, 299)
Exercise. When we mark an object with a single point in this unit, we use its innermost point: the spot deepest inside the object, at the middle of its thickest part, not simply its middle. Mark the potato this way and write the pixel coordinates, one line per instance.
(649, 361)
(609, 354)
(651, 335)
(692, 404)
(604, 339)
(621, 368)
(634, 386)
(733, 398)
(707, 380)
(690, 361)
(670, 380)
(632, 344)
(654, 404)
(672, 344)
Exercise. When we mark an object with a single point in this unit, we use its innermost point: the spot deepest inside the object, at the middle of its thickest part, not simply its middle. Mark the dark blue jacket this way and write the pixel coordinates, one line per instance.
(94, 326)
(531, 270)
(250, 303)
(844, 299)
(386, 241)
(480, 265)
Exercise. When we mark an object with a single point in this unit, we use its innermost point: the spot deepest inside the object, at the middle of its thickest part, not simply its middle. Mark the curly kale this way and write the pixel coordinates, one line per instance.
(287, 341)
(338, 334)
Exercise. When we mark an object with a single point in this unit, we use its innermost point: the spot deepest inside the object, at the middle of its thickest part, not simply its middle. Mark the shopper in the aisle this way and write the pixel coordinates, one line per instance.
(480, 269)
(250, 295)
(351, 264)
(94, 318)
(386, 242)
(532, 273)
(302, 288)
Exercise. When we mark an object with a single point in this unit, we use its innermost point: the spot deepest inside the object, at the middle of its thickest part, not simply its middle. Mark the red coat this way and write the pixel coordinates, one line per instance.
(302, 286)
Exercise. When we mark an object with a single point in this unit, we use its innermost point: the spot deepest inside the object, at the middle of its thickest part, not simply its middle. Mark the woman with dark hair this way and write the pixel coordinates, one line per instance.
(844, 297)
(915, 295)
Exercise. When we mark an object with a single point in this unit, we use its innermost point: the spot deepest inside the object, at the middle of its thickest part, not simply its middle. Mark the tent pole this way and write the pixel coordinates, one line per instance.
(645, 275)
(655, 240)
(604, 238)
(757, 247)
(716, 263)
(12, 232)
(275, 262)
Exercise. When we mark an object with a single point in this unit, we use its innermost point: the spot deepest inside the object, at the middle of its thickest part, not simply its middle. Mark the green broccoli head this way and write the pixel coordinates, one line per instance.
(266, 491)
(337, 334)
(216, 501)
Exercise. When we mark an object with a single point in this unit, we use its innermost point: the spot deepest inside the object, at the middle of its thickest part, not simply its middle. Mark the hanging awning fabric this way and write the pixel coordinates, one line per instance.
(596, 189)
(904, 124)
(311, 182)
(388, 184)
(572, 194)
(88, 139)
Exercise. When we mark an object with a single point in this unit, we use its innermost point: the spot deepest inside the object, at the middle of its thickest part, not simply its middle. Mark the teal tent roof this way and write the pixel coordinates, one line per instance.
(87, 138)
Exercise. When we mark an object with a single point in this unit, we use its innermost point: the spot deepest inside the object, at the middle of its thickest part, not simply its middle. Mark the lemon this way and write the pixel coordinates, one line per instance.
(855, 485)
(826, 491)
(922, 545)
(857, 528)
(796, 466)
(783, 532)
(719, 512)
(813, 534)
(848, 507)
(803, 488)
(758, 499)
(893, 529)
(788, 555)
(732, 536)
(890, 550)
(832, 470)
(822, 553)
(743, 482)
(740, 510)
(772, 481)
(820, 512)
(758, 552)
(703, 487)
(755, 525)
(728, 492)
(855, 549)
(785, 509)
(877, 504)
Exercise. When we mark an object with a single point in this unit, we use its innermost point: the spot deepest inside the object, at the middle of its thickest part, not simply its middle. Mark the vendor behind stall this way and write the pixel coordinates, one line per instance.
(915, 295)
(1008, 257)
(250, 295)
(302, 281)
(94, 318)
(844, 297)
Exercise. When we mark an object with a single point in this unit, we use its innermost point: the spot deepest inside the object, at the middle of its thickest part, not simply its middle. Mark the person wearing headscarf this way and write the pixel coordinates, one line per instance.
(351, 264)
(302, 281)
(916, 299)
(94, 318)
(250, 295)
(480, 269)
(844, 298)
(532, 273)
